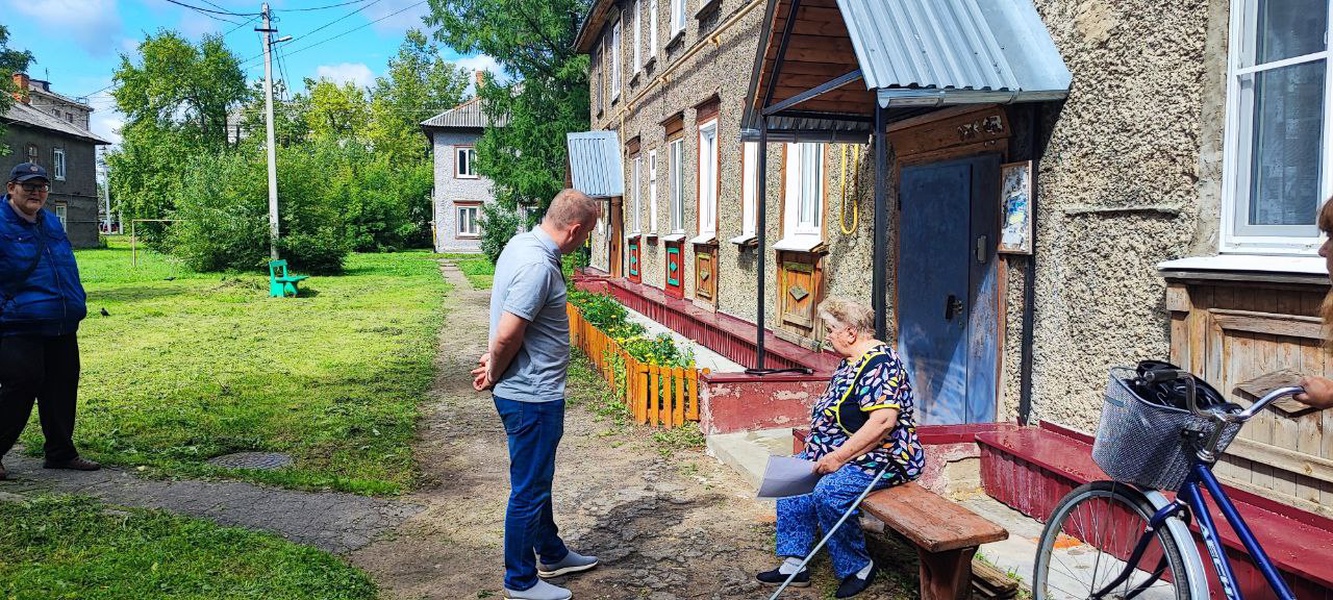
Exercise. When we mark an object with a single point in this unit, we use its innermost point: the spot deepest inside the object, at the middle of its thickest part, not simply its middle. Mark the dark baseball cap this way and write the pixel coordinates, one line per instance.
(25, 171)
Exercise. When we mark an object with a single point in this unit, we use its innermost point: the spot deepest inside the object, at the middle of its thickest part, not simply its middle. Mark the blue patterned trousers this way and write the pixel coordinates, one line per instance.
(802, 518)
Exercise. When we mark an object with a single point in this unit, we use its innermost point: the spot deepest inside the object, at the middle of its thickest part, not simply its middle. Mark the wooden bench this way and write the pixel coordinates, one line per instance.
(282, 285)
(946, 536)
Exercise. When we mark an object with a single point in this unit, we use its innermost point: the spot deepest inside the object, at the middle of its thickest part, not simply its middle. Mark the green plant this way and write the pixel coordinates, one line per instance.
(685, 437)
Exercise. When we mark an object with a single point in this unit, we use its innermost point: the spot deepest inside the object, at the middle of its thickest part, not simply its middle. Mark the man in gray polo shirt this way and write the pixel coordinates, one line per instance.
(525, 366)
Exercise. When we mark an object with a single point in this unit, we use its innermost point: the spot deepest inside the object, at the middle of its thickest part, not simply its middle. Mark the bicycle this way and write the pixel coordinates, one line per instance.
(1140, 542)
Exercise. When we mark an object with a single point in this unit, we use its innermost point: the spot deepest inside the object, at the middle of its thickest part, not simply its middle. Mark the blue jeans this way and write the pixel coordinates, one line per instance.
(801, 518)
(534, 430)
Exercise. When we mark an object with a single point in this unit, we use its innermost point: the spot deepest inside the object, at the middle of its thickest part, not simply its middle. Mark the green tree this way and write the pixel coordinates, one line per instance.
(11, 61)
(420, 83)
(176, 99)
(337, 112)
(290, 126)
(547, 96)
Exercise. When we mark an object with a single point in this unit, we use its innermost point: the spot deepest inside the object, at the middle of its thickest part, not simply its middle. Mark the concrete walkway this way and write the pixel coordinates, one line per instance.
(331, 521)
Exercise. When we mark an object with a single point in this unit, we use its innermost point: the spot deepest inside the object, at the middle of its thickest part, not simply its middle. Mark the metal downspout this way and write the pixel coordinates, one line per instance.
(880, 225)
(1030, 276)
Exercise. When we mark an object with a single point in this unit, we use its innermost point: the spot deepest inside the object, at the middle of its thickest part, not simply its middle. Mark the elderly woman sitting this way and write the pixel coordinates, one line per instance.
(861, 427)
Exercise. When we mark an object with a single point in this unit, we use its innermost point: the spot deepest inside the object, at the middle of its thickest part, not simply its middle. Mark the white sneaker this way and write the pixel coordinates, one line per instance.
(541, 591)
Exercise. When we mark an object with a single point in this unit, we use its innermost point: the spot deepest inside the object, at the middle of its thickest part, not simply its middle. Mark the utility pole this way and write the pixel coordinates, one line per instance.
(268, 32)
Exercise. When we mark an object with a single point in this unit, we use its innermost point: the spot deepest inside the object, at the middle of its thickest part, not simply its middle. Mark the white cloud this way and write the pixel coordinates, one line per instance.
(106, 124)
(93, 24)
(398, 15)
(357, 73)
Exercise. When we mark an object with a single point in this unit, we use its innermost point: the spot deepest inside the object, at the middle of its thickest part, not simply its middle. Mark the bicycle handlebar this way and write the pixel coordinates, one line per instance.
(1163, 375)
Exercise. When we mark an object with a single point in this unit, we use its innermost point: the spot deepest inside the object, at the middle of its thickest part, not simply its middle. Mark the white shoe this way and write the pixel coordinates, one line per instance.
(571, 563)
(541, 591)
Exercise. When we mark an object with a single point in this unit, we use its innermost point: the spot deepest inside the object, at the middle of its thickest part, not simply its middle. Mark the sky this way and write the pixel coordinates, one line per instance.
(78, 43)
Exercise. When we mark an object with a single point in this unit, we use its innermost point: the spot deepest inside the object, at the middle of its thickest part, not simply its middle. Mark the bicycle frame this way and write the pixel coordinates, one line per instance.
(1189, 498)
(1202, 481)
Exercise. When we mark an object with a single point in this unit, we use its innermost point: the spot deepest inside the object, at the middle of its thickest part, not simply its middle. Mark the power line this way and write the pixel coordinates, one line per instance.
(323, 7)
(317, 29)
(395, 13)
(216, 12)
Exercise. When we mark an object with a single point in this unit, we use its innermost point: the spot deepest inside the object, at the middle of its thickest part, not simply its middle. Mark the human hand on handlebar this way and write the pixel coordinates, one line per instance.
(1318, 391)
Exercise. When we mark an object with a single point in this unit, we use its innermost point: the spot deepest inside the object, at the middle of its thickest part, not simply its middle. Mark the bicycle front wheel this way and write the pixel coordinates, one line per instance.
(1091, 533)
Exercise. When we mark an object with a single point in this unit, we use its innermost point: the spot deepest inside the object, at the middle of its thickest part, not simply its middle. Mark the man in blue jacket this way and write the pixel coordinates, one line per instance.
(41, 304)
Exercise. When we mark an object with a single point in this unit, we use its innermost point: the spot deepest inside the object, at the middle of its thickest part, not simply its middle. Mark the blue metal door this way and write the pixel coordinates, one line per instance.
(947, 300)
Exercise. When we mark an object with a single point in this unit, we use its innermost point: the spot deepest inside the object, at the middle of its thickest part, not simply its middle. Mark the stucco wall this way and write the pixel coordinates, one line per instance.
(450, 189)
(1130, 140)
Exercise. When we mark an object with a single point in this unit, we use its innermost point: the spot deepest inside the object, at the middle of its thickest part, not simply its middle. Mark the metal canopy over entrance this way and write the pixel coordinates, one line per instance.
(842, 70)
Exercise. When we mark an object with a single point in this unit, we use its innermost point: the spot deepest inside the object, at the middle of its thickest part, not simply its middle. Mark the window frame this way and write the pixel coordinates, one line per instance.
(678, 18)
(676, 184)
(652, 28)
(1239, 135)
(638, 37)
(793, 193)
(636, 169)
(459, 150)
(652, 192)
(58, 164)
(707, 182)
(474, 221)
(33, 153)
(616, 60)
(61, 210)
(749, 191)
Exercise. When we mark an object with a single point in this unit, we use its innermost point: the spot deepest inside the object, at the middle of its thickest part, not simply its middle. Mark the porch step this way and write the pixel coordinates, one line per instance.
(747, 452)
(1030, 469)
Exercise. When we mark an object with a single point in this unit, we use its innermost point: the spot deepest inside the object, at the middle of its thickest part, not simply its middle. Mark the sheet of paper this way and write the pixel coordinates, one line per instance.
(788, 476)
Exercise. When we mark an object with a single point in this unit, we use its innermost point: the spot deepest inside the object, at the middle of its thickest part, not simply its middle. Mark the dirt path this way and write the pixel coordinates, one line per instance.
(665, 528)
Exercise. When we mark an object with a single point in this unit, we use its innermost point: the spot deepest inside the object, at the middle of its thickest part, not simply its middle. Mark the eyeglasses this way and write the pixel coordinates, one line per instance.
(35, 187)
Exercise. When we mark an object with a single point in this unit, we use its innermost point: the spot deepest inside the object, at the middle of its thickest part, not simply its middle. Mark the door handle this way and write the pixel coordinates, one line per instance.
(981, 249)
(952, 307)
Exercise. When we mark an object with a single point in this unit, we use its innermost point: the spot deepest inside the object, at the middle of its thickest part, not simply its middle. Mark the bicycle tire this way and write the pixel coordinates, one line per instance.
(1114, 515)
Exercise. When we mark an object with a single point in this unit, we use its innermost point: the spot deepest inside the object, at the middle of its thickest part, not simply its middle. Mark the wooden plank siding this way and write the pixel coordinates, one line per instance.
(1229, 332)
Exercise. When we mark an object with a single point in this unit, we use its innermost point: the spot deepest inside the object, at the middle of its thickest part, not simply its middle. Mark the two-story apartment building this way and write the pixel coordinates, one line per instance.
(1028, 191)
(460, 191)
(51, 130)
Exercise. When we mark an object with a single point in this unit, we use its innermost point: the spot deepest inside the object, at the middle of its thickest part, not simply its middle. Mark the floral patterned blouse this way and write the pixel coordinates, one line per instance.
(882, 385)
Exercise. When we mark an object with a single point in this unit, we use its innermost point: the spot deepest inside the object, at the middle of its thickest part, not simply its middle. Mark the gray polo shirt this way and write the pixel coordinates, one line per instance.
(528, 283)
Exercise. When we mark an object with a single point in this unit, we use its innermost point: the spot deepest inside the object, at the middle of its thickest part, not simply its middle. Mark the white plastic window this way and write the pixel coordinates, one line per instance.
(652, 191)
(652, 27)
(1279, 154)
(58, 163)
(637, 193)
(615, 62)
(467, 221)
(803, 205)
(676, 171)
(465, 167)
(638, 38)
(677, 17)
(708, 179)
(749, 188)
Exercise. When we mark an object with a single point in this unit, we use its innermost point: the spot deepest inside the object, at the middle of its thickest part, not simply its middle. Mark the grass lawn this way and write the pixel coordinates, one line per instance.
(74, 547)
(191, 366)
(476, 267)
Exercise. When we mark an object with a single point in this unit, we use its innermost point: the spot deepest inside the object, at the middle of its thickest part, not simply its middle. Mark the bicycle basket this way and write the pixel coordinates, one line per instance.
(1148, 444)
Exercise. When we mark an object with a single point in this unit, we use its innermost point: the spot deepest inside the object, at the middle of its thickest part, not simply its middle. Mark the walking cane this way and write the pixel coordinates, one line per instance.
(851, 509)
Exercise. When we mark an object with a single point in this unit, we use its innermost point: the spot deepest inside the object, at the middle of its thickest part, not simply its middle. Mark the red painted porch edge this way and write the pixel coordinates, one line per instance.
(730, 336)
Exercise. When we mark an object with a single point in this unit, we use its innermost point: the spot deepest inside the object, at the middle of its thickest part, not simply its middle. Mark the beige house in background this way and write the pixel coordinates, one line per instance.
(459, 191)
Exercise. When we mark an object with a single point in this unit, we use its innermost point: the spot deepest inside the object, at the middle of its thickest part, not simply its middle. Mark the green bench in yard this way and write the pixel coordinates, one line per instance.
(281, 285)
